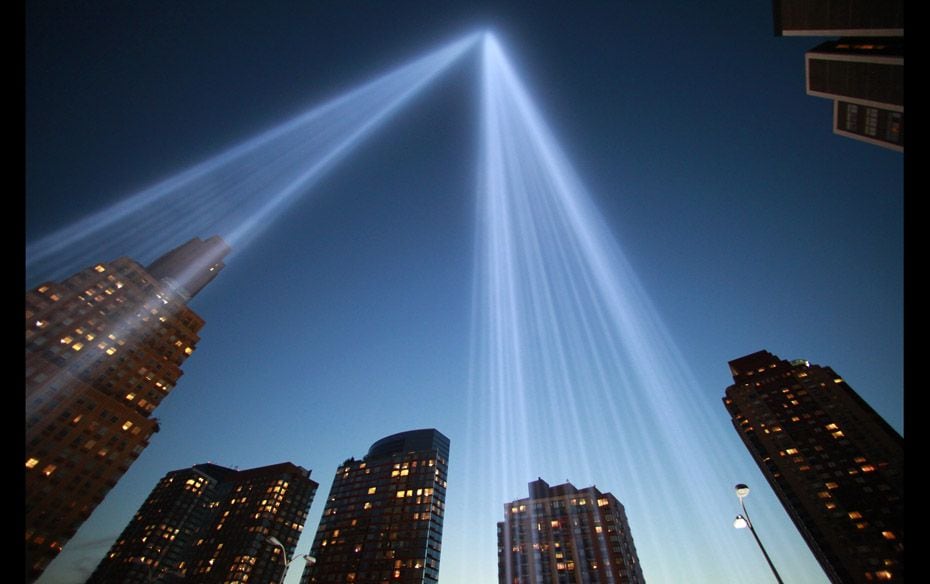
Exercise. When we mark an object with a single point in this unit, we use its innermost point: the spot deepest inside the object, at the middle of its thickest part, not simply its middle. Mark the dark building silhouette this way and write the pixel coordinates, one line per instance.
(562, 534)
(211, 524)
(383, 517)
(862, 72)
(103, 348)
(835, 464)
(864, 18)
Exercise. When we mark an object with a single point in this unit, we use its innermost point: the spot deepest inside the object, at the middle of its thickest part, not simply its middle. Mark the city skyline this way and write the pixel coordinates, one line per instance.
(371, 287)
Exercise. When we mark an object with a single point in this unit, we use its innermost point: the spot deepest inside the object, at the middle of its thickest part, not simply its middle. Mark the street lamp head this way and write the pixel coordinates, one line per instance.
(309, 559)
(274, 541)
(740, 522)
(741, 490)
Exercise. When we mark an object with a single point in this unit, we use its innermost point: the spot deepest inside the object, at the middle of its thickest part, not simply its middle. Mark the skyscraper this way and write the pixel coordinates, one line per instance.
(103, 348)
(562, 534)
(383, 517)
(862, 72)
(836, 466)
(211, 524)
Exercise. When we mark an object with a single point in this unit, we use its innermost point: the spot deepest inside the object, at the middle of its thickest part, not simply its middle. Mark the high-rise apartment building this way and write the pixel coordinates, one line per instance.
(211, 524)
(835, 464)
(103, 348)
(562, 534)
(862, 72)
(383, 517)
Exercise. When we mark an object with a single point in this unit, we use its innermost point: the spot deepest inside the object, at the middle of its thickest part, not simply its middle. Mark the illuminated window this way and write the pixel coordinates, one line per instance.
(66, 340)
(367, 505)
(554, 523)
(32, 462)
(127, 425)
(48, 470)
(883, 575)
(130, 396)
(371, 490)
(855, 515)
(838, 434)
(867, 468)
(831, 485)
(100, 268)
(792, 451)
(77, 346)
(832, 427)
(888, 535)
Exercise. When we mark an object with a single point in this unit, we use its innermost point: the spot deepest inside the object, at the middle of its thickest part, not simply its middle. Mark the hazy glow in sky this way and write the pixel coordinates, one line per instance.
(470, 265)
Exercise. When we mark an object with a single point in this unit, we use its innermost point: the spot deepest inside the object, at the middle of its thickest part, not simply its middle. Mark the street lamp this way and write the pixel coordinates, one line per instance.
(743, 521)
(287, 564)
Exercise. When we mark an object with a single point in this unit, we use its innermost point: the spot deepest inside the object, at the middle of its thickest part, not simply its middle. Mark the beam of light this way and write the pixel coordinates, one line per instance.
(240, 191)
(574, 373)
(236, 194)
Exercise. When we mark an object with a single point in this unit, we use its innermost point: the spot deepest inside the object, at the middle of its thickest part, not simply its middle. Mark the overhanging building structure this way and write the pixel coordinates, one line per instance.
(565, 535)
(862, 72)
(103, 349)
(384, 514)
(836, 466)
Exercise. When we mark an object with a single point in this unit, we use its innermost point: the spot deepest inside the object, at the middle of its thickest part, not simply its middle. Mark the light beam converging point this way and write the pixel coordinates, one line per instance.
(565, 342)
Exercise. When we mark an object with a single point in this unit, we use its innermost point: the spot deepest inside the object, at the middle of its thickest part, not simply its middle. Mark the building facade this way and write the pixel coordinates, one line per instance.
(384, 514)
(835, 464)
(562, 535)
(211, 524)
(103, 348)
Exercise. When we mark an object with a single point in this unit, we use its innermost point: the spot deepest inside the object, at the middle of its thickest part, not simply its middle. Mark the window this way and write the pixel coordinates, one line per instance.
(32, 462)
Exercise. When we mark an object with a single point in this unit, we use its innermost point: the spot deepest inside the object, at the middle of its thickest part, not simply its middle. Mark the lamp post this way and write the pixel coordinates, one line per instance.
(287, 564)
(742, 521)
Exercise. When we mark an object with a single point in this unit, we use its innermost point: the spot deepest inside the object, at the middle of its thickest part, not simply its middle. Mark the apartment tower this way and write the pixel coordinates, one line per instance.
(211, 524)
(383, 517)
(835, 464)
(562, 535)
(103, 349)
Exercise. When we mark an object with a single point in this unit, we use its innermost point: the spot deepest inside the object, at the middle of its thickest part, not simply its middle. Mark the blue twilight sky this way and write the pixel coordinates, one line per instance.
(750, 225)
